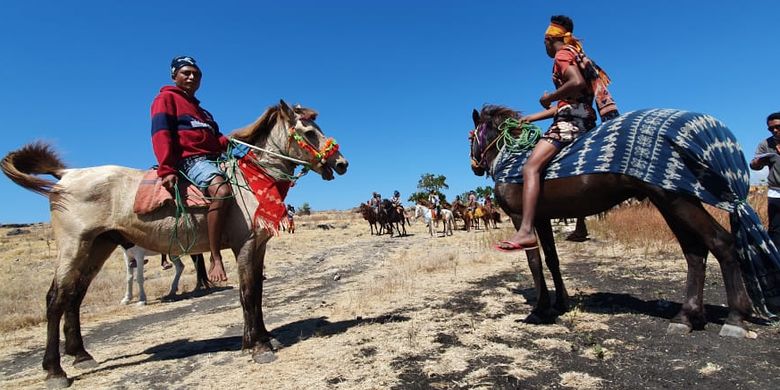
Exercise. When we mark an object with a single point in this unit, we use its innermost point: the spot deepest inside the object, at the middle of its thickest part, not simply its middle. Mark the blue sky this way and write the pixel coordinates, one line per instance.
(394, 82)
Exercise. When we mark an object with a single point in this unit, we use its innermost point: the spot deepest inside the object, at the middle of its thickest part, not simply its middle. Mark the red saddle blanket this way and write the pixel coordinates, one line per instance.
(151, 195)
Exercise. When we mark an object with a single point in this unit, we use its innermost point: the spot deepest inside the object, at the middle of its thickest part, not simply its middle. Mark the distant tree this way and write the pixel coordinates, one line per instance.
(418, 196)
(430, 183)
(305, 209)
(464, 197)
(483, 192)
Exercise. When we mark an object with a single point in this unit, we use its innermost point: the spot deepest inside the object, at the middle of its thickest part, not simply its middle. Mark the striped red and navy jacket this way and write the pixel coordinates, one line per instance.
(181, 128)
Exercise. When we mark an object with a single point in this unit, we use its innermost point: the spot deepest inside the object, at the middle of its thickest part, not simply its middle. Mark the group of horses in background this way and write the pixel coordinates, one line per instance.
(387, 219)
(471, 217)
(391, 219)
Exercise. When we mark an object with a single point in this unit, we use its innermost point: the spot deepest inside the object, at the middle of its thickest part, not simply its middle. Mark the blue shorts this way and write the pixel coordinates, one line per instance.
(201, 170)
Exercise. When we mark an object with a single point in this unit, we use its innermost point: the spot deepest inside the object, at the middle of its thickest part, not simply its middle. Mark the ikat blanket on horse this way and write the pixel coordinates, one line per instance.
(151, 195)
(679, 151)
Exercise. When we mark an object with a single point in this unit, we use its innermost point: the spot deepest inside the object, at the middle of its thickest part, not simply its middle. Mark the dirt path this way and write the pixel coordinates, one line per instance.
(358, 311)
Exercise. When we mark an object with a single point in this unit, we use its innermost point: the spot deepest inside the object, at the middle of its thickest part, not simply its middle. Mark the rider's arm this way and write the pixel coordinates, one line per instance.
(163, 127)
(541, 115)
(573, 82)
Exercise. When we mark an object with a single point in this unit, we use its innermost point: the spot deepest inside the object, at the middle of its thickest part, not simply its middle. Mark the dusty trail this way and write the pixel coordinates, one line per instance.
(355, 311)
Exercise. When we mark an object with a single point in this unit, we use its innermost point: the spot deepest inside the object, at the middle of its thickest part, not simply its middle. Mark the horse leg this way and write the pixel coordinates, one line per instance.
(74, 343)
(547, 241)
(77, 267)
(129, 279)
(250, 272)
(200, 271)
(698, 232)
(179, 268)
(139, 278)
(541, 313)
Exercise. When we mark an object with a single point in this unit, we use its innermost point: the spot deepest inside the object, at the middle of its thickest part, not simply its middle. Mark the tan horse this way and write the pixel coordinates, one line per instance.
(92, 211)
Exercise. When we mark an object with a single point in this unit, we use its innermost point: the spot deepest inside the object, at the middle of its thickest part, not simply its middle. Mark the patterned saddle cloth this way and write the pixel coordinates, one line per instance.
(151, 195)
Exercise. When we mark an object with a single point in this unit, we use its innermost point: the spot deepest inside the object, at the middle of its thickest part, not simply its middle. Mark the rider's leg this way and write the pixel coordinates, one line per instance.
(540, 156)
(220, 192)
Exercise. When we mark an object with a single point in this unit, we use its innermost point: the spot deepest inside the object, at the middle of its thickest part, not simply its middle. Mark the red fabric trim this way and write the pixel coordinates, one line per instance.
(269, 193)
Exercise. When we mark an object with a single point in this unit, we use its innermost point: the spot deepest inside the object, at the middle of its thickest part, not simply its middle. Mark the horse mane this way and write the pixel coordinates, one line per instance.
(261, 128)
(495, 115)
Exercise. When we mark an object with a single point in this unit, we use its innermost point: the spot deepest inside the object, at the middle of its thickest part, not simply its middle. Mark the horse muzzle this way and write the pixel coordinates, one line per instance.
(477, 168)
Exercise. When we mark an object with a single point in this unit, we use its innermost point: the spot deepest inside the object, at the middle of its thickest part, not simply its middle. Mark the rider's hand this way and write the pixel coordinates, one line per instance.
(169, 181)
(545, 100)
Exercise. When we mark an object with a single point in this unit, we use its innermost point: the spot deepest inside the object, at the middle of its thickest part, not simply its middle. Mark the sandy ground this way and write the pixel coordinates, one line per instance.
(355, 311)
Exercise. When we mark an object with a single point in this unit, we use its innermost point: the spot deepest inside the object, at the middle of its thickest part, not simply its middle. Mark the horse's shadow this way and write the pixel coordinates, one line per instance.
(287, 335)
(195, 294)
(622, 303)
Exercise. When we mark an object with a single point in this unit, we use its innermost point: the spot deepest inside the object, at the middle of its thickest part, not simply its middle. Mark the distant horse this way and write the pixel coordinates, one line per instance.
(92, 212)
(462, 211)
(134, 265)
(710, 155)
(487, 215)
(446, 217)
(369, 215)
(394, 218)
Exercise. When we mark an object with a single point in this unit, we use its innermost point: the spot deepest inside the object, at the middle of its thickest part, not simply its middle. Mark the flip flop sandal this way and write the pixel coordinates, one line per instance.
(509, 246)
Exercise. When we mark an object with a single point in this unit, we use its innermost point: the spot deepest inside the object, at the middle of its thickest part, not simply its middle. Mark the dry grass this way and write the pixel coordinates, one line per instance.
(421, 280)
(642, 226)
(27, 265)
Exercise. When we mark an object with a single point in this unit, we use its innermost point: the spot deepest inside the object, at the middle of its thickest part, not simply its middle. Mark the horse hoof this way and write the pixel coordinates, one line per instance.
(677, 328)
(276, 344)
(59, 382)
(141, 303)
(536, 319)
(264, 357)
(125, 301)
(729, 330)
(86, 364)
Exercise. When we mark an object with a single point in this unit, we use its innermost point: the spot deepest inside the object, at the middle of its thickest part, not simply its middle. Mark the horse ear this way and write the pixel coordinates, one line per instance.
(475, 117)
(287, 112)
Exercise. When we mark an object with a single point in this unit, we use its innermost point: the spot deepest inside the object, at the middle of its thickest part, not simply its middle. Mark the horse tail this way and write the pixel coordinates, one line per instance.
(712, 153)
(36, 158)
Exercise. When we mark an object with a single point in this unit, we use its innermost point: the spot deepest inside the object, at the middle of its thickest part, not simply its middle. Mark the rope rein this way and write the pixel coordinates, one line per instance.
(527, 138)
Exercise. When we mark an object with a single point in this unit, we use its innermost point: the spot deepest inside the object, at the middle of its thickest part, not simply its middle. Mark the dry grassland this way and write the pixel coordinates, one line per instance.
(356, 311)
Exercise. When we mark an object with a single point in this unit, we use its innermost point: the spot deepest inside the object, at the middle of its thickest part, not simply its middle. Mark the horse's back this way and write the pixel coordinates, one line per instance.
(96, 195)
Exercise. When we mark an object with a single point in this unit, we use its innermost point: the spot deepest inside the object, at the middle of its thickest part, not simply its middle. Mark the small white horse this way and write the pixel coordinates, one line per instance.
(446, 217)
(138, 254)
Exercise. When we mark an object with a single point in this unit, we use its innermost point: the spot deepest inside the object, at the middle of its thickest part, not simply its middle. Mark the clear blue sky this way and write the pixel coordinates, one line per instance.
(394, 82)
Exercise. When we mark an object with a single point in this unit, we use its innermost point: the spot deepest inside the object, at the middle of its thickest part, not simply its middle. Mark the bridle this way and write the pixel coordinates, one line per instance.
(318, 156)
(478, 135)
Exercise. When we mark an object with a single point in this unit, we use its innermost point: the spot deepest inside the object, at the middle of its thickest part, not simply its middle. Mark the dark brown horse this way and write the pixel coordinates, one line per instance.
(369, 215)
(578, 196)
(394, 217)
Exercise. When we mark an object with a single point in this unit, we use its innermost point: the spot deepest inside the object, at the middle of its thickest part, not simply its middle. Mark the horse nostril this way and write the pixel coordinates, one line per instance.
(341, 166)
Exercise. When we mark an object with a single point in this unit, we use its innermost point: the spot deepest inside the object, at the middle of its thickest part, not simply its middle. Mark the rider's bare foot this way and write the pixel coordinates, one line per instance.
(217, 270)
(519, 240)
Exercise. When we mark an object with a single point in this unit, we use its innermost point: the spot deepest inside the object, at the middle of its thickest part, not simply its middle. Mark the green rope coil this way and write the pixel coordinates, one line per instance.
(527, 138)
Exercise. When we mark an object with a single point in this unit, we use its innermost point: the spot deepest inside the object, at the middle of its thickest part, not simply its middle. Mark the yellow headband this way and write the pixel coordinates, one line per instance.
(555, 30)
